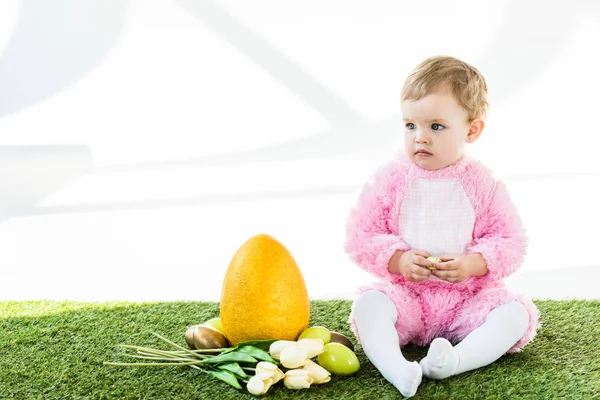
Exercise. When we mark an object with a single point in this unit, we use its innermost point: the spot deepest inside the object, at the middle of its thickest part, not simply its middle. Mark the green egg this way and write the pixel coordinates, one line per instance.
(215, 323)
(338, 359)
(316, 332)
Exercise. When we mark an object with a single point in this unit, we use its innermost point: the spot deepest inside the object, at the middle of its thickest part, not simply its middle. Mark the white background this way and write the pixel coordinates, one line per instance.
(142, 142)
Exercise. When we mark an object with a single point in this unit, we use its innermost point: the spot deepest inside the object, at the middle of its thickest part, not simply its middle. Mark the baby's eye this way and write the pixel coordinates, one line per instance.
(437, 127)
(410, 125)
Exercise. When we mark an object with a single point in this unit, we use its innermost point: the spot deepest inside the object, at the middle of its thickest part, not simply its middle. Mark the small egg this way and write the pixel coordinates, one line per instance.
(433, 260)
(205, 337)
(189, 337)
(338, 359)
(316, 332)
(339, 338)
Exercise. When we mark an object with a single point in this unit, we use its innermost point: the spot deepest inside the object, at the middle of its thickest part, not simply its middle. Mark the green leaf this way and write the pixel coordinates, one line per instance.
(261, 344)
(255, 352)
(226, 377)
(235, 368)
(230, 357)
(228, 350)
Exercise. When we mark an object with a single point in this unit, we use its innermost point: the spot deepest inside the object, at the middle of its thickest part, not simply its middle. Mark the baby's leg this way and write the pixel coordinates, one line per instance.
(503, 327)
(375, 316)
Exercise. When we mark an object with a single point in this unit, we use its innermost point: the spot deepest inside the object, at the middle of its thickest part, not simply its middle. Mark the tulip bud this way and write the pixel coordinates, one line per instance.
(267, 374)
(276, 347)
(313, 347)
(293, 357)
(267, 370)
(257, 386)
(317, 373)
(297, 379)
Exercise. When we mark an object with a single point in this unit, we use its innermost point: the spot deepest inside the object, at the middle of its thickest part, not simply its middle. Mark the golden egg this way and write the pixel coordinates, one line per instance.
(205, 337)
(339, 338)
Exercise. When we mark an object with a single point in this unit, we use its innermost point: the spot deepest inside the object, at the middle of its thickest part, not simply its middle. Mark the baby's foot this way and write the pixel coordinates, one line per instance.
(408, 378)
(441, 361)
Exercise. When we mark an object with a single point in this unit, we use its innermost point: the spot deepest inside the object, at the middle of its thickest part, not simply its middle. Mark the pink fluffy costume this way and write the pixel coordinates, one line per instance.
(460, 209)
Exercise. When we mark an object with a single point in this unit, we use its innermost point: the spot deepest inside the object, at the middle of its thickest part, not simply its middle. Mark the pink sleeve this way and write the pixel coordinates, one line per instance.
(371, 234)
(499, 235)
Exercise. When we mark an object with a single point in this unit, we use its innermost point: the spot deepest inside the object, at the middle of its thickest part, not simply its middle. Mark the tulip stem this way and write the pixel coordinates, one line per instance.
(153, 364)
(146, 349)
(164, 353)
(200, 351)
(172, 343)
(200, 359)
(159, 358)
(172, 355)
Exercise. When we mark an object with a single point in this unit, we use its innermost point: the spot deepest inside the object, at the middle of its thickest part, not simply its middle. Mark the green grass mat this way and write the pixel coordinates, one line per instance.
(55, 350)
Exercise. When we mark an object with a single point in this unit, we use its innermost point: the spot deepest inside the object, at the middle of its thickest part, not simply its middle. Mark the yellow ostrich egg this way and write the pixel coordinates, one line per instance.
(264, 295)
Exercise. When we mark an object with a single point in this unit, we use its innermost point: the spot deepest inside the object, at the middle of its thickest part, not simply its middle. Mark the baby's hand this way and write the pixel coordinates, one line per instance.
(458, 267)
(413, 265)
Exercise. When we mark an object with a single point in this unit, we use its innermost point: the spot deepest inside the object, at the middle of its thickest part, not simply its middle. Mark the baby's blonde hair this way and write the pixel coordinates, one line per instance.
(466, 83)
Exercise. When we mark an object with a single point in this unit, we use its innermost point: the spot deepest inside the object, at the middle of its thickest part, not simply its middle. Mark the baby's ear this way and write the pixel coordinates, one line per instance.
(475, 130)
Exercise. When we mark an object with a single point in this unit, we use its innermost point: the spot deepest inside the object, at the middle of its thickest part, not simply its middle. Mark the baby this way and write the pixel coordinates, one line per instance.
(436, 202)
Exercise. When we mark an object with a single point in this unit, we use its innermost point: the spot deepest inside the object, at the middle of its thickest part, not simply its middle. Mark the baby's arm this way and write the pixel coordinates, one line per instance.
(499, 235)
(370, 241)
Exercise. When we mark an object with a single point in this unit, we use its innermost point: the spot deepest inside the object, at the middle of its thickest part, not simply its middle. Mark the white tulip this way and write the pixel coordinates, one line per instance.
(293, 357)
(297, 379)
(267, 370)
(318, 373)
(257, 386)
(276, 347)
(313, 347)
(267, 374)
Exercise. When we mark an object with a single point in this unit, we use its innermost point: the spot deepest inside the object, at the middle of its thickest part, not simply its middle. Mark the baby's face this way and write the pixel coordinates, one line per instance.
(438, 125)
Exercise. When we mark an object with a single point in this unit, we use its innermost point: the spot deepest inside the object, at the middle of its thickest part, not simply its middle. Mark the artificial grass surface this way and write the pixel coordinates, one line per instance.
(55, 350)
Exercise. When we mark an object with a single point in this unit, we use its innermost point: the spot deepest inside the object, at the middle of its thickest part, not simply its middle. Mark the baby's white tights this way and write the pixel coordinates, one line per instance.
(375, 316)
(503, 327)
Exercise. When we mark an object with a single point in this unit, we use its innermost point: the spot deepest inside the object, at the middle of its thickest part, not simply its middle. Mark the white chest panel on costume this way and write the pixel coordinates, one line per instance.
(437, 216)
